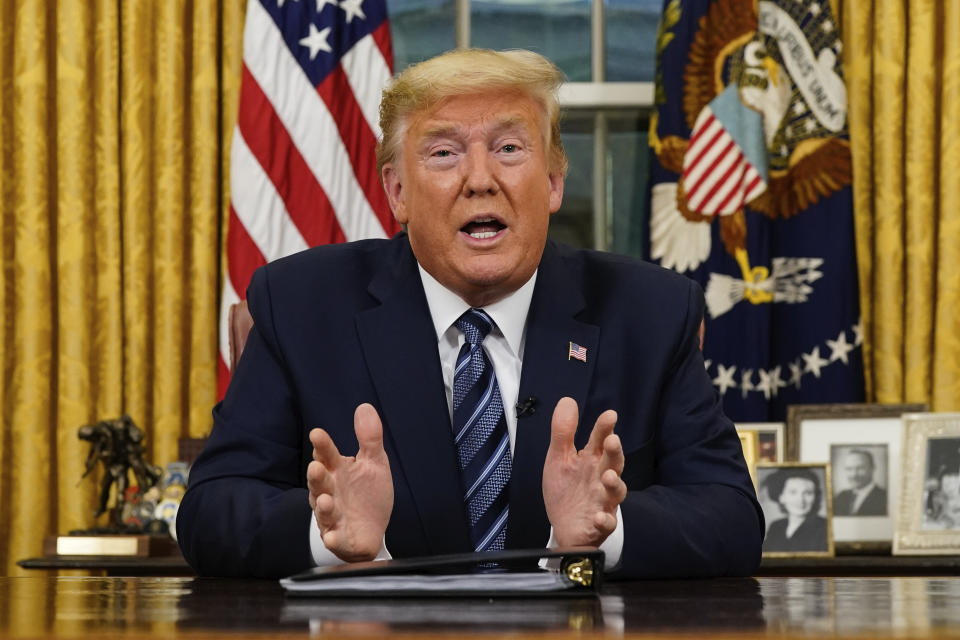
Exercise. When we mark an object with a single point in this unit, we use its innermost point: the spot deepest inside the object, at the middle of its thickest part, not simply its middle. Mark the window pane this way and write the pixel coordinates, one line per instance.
(573, 223)
(558, 29)
(627, 163)
(628, 160)
(631, 27)
(420, 29)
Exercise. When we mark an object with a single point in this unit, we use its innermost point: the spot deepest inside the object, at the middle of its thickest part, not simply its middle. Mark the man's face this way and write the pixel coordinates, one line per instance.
(473, 187)
(858, 470)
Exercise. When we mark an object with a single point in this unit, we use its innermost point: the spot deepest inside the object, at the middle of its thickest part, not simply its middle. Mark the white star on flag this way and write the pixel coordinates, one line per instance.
(814, 362)
(770, 382)
(706, 364)
(745, 385)
(317, 41)
(858, 333)
(796, 372)
(353, 9)
(839, 348)
(724, 379)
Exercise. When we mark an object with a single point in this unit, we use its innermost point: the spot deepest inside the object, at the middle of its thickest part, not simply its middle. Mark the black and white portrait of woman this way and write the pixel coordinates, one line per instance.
(794, 500)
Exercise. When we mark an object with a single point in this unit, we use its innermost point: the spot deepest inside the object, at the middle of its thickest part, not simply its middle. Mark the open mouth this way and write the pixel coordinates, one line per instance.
(482, 228)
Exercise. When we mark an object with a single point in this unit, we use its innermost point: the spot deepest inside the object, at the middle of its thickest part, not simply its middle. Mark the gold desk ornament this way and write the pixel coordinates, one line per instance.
(579, 570)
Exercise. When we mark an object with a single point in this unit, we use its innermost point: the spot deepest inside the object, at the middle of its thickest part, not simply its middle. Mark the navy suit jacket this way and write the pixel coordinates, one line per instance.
(340, 325)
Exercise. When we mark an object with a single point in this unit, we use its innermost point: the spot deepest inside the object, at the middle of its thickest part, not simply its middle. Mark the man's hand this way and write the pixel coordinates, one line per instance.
(352, 497)
(582, 489)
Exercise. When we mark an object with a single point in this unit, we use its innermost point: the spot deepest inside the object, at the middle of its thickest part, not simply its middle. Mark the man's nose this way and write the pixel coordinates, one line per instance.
(480, 173)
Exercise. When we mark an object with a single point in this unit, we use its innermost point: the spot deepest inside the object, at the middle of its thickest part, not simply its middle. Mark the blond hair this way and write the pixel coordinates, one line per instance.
(464, 72)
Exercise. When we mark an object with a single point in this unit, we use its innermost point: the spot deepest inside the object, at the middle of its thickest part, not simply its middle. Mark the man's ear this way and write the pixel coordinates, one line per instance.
(390, 175)
(556, 191)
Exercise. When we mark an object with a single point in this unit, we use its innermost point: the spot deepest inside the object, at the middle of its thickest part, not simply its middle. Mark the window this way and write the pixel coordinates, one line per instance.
(606, 49)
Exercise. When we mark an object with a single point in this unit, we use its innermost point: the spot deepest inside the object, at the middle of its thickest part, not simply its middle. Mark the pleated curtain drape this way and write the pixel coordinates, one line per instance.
(113, 168)
(902, 65)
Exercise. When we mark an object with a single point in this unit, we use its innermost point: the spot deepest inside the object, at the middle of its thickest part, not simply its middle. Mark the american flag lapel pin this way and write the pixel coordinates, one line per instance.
(578, 352)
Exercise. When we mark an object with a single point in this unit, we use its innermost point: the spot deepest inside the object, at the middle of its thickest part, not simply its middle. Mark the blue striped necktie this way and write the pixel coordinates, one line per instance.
(480, 429)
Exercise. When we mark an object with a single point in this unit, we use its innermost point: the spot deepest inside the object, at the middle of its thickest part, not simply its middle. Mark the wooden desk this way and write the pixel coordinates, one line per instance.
(43, 606)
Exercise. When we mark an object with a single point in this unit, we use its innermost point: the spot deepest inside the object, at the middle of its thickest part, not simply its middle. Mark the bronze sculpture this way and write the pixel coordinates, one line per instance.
(118, 445)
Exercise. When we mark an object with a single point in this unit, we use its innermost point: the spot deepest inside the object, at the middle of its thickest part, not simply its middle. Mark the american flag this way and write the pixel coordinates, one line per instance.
(578, 352)
(303, 170)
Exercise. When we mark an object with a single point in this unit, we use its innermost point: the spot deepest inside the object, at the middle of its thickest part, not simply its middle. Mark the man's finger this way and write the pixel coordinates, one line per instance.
(369, 430)
(602, 428)
(324, 450)
(563, 426)
(615, 487)
(326, 511)
(319, 479)
(605, 523)
(612, 454)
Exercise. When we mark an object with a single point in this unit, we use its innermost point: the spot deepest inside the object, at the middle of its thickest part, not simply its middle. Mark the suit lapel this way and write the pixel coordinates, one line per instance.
(400, 348)
(548, 374)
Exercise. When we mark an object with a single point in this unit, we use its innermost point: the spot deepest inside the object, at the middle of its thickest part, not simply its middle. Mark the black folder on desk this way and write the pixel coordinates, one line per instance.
(514, 573)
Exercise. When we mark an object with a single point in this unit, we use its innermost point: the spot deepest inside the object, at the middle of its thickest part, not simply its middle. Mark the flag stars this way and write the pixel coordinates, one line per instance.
(724, 379)
(799, 108)
(316, 41)
(706, 364)
(770, 382)
(353, 9)
(746, 386)
(827, 26)
(858, 333)
(814, 9)
(796, 372)
(839, 348)
(813, 362)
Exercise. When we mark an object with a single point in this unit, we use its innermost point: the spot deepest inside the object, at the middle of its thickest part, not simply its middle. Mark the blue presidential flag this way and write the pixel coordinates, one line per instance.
(751, 196)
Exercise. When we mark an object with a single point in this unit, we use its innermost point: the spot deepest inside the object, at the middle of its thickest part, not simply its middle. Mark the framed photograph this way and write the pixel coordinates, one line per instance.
(797, 503)
(770, 439)
(748, 442)
(862, 445)
(929, 507)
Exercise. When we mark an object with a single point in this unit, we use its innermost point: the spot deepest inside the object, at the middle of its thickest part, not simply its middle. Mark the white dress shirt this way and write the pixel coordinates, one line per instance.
(504, 347)
(860, 495)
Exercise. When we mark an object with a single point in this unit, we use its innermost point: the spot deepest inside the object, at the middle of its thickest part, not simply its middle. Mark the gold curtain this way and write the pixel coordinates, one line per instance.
(114, 130)
(902, 63)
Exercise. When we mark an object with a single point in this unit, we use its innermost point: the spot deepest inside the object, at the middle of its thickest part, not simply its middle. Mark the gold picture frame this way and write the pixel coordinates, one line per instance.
(748, 442)
(814, 537)
(829, 433)
(929, 510)
(770, 439)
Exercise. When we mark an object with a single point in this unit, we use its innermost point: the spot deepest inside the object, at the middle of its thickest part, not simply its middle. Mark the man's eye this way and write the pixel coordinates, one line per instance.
(442, 153)
(510, 148)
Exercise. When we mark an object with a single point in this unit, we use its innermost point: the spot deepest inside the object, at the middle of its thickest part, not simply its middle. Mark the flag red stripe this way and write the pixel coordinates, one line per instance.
(243, 256)
(738, 186)
(223, 378)
(722, 181)
(699, 132)
(382, 37)
(359, 142)
(271, 145)
(691, 193)
(703, 152)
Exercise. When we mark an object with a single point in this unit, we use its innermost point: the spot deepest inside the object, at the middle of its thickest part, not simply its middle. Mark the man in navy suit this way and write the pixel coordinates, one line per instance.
(335, 441)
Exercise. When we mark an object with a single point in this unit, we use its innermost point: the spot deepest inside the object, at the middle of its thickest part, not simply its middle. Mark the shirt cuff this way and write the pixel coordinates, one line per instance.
(323, 557)
(612, 547)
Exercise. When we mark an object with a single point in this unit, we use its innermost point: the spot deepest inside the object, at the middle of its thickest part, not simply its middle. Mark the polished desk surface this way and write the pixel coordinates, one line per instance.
(87, 607)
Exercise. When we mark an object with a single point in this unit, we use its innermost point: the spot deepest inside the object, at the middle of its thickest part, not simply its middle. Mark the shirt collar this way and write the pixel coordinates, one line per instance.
(867, 489)
(510, 313)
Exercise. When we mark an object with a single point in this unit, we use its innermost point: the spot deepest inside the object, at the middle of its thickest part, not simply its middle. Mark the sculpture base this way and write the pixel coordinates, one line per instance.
(132, 545)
